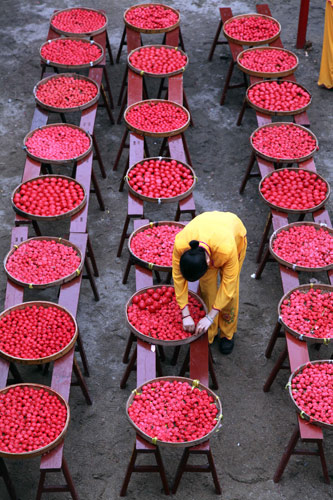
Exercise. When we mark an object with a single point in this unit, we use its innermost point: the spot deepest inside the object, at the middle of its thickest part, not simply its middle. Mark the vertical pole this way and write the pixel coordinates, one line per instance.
(302, 23)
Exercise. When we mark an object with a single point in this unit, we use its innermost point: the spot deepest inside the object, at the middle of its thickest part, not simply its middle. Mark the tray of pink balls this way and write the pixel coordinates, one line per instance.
(266, 62)
(38, 332)
(278, 97)
(311, 390)
(157, 118)
(161, 180)
(174, 411)
(157, 61)
(151, 18)
(43, 261)
(284, 142)
(294, 190)
(34, 420)
(79, 21)
(49, 197)
(70, 53)
(151, 245)
(154, 316)
(251, 29)
(306, 312)
(58, 143)
(66, 92)
(303, 246)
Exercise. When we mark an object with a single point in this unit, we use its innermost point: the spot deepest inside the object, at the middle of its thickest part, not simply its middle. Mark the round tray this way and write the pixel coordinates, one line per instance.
(249, 42)
(151, 340)
(58, 282)
(263, 74)
(295, 267)
(73, 66)
(66, 110)
(152, 31)
(157, 134)
(172, 199)
(57, 162)
(85, 33)
(185, 444)
(295, 333)
(302, 414)
(53, 444)
(70, 213)
(156, 75)
(292, 210)
(284, 160)
(47, 359)
(278, 113)
(144, 263)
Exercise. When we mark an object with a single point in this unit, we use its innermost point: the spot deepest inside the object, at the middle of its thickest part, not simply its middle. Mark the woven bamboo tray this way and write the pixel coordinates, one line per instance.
(152, 340)
(85, 33)
(264, 74)
(152, 31)
(274, 112)
(73, 66)
(143, 263)
(172, 199)
(50, 446)
(66, 110)
(249, 42)
(156, 75)
(284, 160)
(292, 210)
(295, 267)
(302, 414)
(46, 359)
(185, 444)
(295, 333)
(57, 162)
(58, 282)
(66, 215)
(148, 133)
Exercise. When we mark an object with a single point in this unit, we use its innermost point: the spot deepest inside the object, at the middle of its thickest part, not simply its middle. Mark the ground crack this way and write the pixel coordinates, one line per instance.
(248, 481)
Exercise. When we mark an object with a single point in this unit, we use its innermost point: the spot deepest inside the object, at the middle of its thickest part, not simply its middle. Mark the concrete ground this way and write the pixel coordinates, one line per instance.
(257, 426)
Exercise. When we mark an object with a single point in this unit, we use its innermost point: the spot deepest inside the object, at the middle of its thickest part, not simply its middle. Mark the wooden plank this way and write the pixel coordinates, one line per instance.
(83, 175)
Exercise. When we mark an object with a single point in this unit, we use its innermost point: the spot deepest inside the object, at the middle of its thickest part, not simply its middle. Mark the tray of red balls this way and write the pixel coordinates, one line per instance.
(251, 29)
(311, 390)
(157, 61)
(151, 245)
(174, 411)
(294, 190)
(21, 407)
(157, 118)
(37, 332)
(267, 62)
(161, 180)
(43, 261)
(306, 312)
(284, 142)
(151, 18)
(65, 92)
(71, 52)
(278, 97)
(49, 197)
(79, 21)
(154, 316)
(303, 246)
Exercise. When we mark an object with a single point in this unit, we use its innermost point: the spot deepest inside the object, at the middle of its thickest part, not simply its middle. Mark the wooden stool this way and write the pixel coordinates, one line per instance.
(48, 467)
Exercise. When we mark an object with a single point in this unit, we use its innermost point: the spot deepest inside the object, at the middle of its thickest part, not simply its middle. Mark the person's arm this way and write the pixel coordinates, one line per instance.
(181, 291)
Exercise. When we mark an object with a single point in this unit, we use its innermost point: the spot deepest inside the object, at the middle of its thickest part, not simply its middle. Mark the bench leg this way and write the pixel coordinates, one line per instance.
(264, 238)
(129, 368)
(127, 270)
(213, 47)
(174, 358)
(81, 382)
(36, 228)
(122, 43)
(215, 384)
(98, 157)
(107, 104)
(90, 277)
(81, 350)
(277, 367)
(5, 475)
(91, 255)
(108, 86)
(121, 148)
(123, 86)
(247, 172)
(122, 179)
(272, 341)
(160, 88)
(68, 487)
(130, 340)
(108, 46)
(262, 264)
(241, 114)
(97, 190)
(227, 81)
(16, 374)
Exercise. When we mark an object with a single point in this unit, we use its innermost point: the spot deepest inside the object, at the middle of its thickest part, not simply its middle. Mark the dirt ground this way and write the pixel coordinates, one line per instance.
(256, 426)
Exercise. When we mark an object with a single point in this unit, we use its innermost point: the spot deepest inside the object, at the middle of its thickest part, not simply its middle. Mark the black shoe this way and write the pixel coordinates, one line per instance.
(226, 346)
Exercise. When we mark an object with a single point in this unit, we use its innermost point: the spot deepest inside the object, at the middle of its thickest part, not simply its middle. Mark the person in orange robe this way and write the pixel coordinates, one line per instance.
(213, 244)
(326, 66)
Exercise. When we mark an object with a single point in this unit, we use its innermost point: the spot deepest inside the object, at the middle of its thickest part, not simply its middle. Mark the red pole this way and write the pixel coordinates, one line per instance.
(302, 23)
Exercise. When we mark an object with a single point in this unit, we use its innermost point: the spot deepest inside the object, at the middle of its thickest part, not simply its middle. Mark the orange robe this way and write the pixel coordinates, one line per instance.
(326, 66)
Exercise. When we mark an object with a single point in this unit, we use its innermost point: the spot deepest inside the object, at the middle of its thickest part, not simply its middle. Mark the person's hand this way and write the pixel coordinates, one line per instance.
(203, 325)
(188, 324)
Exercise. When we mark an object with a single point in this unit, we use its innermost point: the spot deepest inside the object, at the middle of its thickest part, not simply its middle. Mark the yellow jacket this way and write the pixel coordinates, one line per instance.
(221, 234)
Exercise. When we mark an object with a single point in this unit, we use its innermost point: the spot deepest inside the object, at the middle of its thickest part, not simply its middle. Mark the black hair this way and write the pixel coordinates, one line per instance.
(193, 263)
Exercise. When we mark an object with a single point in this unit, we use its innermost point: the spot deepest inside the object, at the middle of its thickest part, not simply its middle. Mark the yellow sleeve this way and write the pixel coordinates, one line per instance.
(228, 286)
(180, 283)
